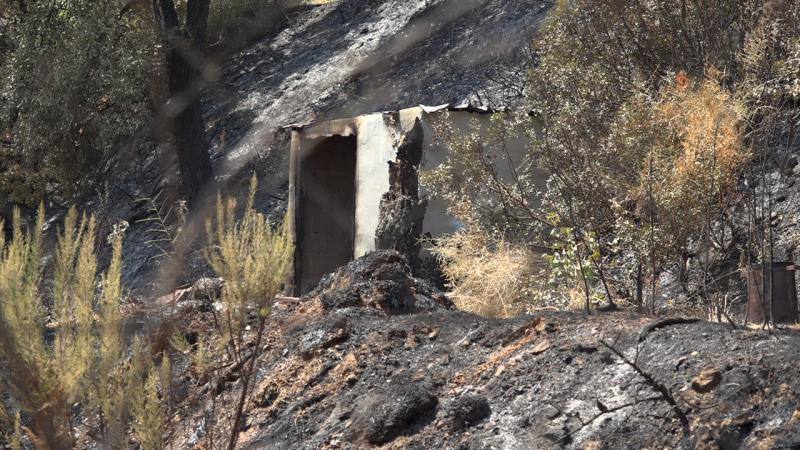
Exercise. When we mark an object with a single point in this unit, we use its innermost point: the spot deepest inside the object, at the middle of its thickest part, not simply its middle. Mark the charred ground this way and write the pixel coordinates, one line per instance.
(376, 358)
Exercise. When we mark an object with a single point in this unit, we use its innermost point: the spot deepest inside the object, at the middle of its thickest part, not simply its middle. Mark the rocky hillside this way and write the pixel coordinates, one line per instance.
(375, 358)
(353, 57)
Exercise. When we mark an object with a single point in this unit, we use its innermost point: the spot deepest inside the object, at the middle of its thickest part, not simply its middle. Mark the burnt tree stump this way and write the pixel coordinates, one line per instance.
(401, 209)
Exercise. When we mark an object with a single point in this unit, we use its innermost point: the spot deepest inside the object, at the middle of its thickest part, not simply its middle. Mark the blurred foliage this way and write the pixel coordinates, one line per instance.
(73, 93)
(65, 348)
(235, 20)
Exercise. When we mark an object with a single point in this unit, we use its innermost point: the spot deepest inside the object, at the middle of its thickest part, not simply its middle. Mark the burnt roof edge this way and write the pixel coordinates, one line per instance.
(461, 107)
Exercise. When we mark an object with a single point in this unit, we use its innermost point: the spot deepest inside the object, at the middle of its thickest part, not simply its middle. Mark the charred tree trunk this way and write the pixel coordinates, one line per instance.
(185, 83)
(197, 22)
(639, 288)
(401, 209)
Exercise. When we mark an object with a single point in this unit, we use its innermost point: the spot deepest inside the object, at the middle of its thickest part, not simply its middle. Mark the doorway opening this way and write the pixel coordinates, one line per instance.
(326, 213)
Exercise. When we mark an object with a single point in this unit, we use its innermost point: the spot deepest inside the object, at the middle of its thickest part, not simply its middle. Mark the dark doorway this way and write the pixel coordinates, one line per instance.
(327, 208)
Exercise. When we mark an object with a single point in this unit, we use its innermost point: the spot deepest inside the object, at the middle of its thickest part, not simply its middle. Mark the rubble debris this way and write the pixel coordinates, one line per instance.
(383, 280)
(707, 380)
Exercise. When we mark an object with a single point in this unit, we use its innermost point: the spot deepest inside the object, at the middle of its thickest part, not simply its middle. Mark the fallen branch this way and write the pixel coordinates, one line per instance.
(662, 390)
(661, 323)
(607, 410)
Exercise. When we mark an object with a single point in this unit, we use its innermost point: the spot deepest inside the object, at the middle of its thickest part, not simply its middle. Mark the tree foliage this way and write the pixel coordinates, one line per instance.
(643, 114)
(73, 93)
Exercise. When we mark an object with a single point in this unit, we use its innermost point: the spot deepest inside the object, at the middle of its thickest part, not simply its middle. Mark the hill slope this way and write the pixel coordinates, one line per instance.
(353, 57)
(376, 358)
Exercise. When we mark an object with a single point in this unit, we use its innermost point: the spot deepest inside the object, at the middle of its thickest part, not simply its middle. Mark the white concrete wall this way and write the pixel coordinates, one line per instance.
(376, 147)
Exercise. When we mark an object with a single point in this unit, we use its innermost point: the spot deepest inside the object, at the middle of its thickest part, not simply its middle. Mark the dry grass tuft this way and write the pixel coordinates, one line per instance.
(494, 279)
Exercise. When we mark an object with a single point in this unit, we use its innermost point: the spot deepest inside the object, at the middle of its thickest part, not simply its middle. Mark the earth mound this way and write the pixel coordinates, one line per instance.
(372, 359)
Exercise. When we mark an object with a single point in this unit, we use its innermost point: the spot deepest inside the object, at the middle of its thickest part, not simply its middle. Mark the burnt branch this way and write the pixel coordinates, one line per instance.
(661, 323)
(661, 389)
(609, 410)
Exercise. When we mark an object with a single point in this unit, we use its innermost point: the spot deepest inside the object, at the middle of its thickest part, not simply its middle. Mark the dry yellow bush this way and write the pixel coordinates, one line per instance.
(707, 120)
(686, 149)
(491, 278)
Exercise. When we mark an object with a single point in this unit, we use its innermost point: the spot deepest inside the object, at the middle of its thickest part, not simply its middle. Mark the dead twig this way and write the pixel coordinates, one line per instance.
(662, 390)
(661, 323)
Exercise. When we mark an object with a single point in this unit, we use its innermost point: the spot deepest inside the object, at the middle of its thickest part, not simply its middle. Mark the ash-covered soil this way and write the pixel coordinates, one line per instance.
(375, 358)
(353, 57)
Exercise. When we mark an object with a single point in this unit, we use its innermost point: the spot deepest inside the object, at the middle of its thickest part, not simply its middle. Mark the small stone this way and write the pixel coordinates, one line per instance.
(707, 380)
(551, 412)
(411, 341)
(541, 347)
(592, 445)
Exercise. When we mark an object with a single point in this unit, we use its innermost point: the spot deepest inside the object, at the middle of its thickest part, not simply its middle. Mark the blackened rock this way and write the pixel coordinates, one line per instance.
(467, 410)
(396, 411)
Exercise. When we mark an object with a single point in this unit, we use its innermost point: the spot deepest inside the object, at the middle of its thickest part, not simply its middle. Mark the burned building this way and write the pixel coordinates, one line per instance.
(353, 186)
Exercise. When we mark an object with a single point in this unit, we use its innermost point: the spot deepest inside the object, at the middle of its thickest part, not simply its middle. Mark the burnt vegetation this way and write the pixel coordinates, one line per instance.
(624, 281)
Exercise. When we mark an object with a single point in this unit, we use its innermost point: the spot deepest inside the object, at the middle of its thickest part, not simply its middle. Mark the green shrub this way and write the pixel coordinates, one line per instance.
(67, 348)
